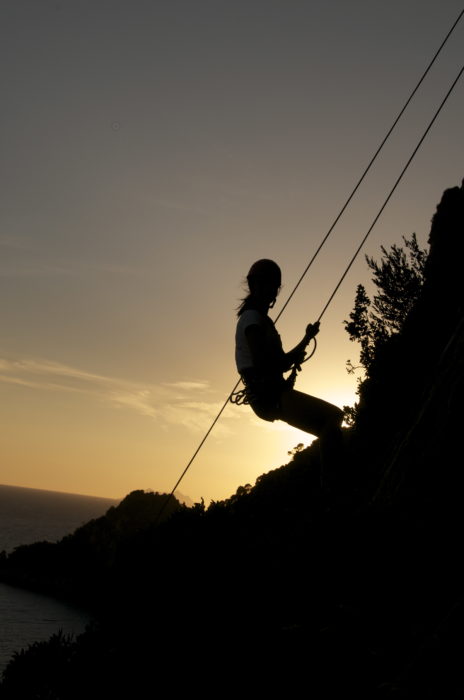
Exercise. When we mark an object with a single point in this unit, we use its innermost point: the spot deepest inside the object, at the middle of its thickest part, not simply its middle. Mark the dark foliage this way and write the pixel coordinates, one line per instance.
(79, 566)
(399, 278)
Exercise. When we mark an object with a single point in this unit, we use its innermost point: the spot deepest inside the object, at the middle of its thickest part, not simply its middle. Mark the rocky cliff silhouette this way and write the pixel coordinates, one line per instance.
(274, 589)
(425, 464)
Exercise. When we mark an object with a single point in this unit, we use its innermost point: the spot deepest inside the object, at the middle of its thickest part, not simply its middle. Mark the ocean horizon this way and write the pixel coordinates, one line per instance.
(30, 515)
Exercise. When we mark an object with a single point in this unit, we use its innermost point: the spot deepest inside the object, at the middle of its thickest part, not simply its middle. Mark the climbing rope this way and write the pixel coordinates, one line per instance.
(408, 163)
(371, 162)
(234, 392)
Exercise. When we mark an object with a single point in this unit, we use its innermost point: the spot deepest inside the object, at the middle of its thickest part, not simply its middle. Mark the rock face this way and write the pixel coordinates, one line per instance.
(407, 431)
(424, 464)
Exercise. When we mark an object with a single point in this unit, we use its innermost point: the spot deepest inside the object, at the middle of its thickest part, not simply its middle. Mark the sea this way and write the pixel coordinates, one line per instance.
(27, 516)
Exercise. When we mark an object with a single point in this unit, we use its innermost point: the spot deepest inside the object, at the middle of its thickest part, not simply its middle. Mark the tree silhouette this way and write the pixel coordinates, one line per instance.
(399, 277)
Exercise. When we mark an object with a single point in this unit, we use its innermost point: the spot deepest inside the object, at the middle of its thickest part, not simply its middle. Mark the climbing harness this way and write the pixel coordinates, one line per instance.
(241, 397)
(238, 394)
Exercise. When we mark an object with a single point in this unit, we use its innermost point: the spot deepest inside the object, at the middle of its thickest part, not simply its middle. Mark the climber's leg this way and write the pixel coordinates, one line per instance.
(319, 418)
(309, 413)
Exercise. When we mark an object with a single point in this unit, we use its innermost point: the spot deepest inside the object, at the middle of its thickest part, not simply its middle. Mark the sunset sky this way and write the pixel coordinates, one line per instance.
(151, 150)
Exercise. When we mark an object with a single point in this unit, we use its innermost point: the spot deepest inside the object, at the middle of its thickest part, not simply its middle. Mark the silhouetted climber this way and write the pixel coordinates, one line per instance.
(261, 362)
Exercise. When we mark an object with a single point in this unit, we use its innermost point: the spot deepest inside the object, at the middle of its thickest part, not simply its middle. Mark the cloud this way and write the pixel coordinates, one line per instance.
(190, 403)
(200, 385)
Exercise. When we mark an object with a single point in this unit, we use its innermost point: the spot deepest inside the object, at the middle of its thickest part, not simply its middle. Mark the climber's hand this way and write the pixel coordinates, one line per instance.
(312, 329)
